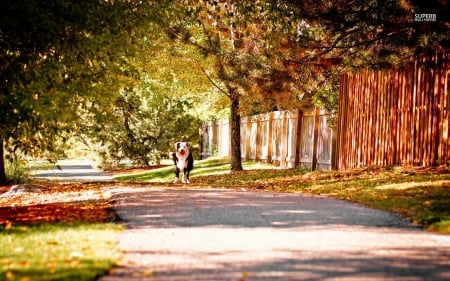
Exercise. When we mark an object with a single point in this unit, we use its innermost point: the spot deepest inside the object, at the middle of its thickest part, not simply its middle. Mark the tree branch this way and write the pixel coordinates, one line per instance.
(211, 80)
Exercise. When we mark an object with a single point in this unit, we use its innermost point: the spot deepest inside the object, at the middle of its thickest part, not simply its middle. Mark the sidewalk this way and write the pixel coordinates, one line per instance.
(73, 170)
(218, 234)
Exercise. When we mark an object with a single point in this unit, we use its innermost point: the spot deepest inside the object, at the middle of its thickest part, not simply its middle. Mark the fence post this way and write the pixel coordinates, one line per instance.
(269, 138)
(258, 138)
(248, 135)
(316, 138)
(291, 137)
(333, 150)
(200, 142)
(223, 138)
(283, 141)
(242, 127)
(298, 138)
(215, 137)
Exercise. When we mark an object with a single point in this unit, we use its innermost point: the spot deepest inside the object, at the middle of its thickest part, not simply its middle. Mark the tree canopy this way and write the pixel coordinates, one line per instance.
(163, 104)
(55, 58)
(92, 66)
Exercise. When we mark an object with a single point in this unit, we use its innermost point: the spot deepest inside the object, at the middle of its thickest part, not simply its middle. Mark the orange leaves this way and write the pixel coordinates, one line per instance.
(55, 203)
(54, 213)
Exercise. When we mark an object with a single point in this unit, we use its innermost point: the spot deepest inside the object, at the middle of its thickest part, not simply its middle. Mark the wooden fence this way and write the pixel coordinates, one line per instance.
(285, 138)
(390, 117)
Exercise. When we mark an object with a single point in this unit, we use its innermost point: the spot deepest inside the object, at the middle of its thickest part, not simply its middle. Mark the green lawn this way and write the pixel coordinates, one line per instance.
(57, 251)
(207, 167)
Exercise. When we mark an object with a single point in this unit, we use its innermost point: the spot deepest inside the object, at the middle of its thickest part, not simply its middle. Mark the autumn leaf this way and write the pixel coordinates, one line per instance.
(76, 202)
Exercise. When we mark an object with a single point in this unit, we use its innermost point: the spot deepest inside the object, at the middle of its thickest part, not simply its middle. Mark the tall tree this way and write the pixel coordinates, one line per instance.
(231, 32)
(57, 56)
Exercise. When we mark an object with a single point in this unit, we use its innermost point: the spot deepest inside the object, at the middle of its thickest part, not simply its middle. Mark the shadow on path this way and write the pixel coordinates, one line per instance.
(197, 234)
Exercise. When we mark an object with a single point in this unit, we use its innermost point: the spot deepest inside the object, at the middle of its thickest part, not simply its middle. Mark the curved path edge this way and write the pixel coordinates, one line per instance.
(220, 234)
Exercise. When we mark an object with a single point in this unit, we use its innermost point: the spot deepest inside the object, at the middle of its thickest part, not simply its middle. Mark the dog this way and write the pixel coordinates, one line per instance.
(183, 161)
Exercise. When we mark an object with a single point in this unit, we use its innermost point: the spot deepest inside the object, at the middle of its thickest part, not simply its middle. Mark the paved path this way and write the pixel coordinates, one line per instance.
(73, 170)
(204, 235)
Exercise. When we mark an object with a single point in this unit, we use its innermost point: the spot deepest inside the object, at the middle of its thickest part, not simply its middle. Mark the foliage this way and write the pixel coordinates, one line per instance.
(143, 127)
(63, 63)
(230, 35)
(162, 104)
(176, 70)
(57, 57)
(55, 231)
(16, 170)
(370, 33)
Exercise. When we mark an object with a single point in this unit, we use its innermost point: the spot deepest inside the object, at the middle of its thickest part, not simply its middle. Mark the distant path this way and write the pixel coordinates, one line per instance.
(73, 170)
(214, 234)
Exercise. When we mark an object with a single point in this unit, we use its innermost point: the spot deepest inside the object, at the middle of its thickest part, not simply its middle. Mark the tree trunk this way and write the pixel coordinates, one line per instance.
(3, 179)
(236, 159)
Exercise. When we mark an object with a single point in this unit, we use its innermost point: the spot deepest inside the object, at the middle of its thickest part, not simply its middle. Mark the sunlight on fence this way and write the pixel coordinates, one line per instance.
(285, 138)
(396, 117)
(385, 117)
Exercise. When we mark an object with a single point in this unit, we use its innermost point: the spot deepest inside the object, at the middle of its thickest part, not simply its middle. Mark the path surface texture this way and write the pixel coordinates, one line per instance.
(72, 170)
(218, 234)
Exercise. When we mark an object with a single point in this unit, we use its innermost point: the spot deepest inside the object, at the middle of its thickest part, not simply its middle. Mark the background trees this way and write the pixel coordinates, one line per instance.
(162, 104)
(282, 54)
(133, 74)
(57, 57)
(369, 33)
(246, 62)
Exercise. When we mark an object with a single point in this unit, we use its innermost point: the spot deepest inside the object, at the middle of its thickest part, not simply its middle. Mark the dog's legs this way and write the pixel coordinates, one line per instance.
(184, 177)
(187, 177)
(183, 174)
(177, 175)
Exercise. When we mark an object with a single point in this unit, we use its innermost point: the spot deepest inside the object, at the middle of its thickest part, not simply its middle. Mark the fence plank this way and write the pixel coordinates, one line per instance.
(306, 140)
(283, 140)
(396, 116)
(291, 137)
(278, 137)
(264, 131)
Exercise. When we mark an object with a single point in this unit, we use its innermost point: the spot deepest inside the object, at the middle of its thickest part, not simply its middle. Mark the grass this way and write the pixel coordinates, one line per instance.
(57, 251)
(421, 195)
(87, 250)
(208, 167)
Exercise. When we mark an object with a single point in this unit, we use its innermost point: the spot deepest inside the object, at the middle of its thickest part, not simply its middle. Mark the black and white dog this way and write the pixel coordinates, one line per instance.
(183, 160)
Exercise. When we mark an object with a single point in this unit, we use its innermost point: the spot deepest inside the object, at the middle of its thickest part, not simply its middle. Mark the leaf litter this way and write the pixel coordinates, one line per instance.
(55, 202)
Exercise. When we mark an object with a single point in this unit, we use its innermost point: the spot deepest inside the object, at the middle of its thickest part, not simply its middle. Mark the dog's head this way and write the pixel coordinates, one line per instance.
(182, 148)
